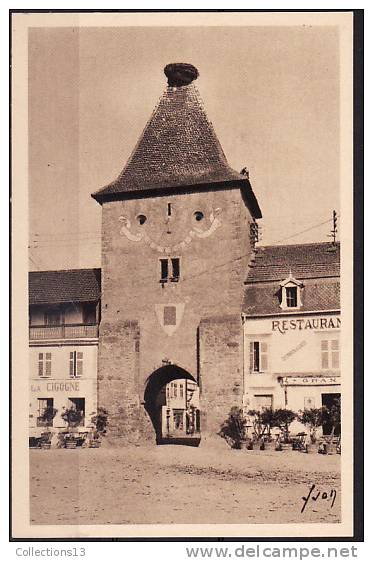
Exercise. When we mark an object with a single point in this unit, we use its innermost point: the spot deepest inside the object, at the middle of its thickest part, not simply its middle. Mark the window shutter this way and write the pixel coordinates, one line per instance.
(324, 354)
(164, 269)
(251, 356)
(41, 365)
(71, 365)
(48, 364)
(335, 353)
(175, 267)
(263, 357)
(79, 365)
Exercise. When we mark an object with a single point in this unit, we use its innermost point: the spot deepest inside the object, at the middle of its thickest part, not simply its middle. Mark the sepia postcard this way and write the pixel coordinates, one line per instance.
(182, 188)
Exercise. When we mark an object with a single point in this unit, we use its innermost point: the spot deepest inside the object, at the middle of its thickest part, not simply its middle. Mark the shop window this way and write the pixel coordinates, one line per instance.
(170, 269)
(258, 356)
(263, 401)
(330, 354)
(76, 364)
(45, 365)
(78, 403)
(45, 412)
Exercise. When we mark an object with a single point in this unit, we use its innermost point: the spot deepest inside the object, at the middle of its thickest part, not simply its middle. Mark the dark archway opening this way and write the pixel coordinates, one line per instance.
(171, 399)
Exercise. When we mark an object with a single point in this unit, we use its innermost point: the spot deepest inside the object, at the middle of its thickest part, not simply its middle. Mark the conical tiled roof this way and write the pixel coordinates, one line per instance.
(178, 148)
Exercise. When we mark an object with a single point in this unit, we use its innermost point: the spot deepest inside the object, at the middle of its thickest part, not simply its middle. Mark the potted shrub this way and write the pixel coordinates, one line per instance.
(312, 419)
(262, 423)
(332, 416)
(73, 417)
(282, 419)
(45, 440)
(99, 422)
(46, 419)
(233, 429)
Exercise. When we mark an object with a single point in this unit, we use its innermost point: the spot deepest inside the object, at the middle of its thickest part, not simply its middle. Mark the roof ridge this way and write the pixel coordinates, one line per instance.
(66, 270)
(337, 243)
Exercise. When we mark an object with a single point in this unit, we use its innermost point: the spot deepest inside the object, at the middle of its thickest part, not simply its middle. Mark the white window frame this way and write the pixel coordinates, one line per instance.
(45, 365)
(330, 354)
(260, 346)
(76, 364)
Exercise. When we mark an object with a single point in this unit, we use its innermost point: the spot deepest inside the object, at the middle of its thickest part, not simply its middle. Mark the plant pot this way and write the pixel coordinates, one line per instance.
(330, 448)
(95, 444)
(70, 444)
(312, 448)
(286, 446)
(45, 445)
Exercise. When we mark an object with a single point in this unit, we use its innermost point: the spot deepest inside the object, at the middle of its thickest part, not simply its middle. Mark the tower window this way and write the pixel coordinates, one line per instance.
(141, 219)
(170, 269)
(175, 261)
(169, 209)
(164, 270)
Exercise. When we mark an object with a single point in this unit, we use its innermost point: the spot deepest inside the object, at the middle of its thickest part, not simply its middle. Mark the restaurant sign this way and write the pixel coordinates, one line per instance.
(304, 324)
(311, 380)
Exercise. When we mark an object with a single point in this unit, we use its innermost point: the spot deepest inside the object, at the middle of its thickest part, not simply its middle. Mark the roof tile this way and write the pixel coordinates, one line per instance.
(178, 148)
(312, 260)
(74, 285)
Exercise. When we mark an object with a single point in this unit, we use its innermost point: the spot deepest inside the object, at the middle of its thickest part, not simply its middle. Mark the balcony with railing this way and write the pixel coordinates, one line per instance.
(64, 331)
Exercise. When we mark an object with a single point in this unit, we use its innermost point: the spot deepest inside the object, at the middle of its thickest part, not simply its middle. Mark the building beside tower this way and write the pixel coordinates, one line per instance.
(64, 312)
(292, 323)
(186, 318)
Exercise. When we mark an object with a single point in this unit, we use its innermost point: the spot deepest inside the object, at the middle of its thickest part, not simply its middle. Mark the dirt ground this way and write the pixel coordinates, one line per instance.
(179, 484)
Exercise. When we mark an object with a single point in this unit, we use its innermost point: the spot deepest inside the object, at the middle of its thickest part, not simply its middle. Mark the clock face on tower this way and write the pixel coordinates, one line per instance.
(168, 228)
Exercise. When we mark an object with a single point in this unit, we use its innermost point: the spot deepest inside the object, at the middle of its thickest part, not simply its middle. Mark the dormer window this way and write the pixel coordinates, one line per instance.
(291, 296)
(290, 293)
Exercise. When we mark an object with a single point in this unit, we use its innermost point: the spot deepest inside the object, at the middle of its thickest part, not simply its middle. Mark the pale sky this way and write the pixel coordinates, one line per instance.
(272, 94)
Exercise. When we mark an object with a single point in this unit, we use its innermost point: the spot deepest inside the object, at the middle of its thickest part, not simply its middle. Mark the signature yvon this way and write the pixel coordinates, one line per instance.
(316, 495)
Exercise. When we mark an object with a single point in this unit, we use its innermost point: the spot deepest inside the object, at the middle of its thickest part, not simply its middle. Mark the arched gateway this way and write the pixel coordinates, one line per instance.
(171, 399)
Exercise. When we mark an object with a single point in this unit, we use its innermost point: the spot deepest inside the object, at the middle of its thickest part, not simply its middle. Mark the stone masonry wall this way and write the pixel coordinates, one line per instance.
(221, 369)
(118, 381)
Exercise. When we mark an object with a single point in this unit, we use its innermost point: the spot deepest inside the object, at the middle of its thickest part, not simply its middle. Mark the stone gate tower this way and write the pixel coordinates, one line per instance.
(175, 250)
